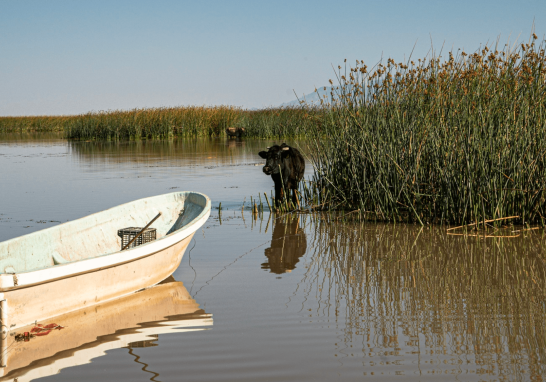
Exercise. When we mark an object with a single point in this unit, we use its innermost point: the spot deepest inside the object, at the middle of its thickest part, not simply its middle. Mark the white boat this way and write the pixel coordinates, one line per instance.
(131, 322)
(80, 263)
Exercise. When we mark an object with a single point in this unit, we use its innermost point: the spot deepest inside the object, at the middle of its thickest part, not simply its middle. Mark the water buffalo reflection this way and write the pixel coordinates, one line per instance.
(288, 244)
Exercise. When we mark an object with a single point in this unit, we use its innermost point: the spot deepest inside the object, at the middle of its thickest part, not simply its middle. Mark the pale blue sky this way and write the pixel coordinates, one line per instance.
(67, 57)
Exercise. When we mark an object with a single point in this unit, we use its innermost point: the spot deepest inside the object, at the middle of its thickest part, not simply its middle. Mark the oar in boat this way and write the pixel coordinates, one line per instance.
(141, 231)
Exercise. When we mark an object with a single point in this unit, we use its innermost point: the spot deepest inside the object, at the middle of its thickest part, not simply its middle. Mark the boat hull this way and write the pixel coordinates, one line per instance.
(49, 299)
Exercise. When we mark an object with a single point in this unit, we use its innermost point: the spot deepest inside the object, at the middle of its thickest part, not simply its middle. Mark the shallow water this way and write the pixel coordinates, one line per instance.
(291, 298)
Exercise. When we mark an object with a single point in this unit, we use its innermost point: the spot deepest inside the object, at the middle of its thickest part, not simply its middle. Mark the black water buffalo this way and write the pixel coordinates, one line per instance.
(288, 244)
(286, 167)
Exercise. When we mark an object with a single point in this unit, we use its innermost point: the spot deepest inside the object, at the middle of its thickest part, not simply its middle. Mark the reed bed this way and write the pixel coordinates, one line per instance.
(33, 124)
(437, 140)
(170, 122)
(282, 122)
(152, 123)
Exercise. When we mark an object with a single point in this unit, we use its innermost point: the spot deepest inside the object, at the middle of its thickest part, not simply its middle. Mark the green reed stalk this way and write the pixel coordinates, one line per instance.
(454, 140)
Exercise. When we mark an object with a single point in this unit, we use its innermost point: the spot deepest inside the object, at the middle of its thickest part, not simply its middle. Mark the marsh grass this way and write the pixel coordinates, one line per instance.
(152, 123)
(282, 122)
(437, 140)
(169, 122)
(33, 124)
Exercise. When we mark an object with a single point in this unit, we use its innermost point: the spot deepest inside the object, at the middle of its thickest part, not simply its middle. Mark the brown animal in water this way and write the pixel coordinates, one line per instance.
(236, 132)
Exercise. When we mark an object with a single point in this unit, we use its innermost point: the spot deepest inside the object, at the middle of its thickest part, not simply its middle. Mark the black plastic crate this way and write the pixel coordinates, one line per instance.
(127, 234)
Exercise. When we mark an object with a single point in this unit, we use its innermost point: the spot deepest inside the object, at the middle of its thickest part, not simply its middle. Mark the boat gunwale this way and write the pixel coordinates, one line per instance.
(109, 260)
(25, 286)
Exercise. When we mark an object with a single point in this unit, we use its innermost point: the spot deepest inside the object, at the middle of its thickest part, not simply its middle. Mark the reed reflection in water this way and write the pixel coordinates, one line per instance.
(446, 304)
(171, 152)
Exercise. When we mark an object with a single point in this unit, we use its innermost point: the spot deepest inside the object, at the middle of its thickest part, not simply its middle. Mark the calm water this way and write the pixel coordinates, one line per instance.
(294, 298)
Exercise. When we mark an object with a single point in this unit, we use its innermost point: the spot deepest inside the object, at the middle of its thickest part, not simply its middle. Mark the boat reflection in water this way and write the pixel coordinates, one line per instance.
(132, 321)
(288, 244)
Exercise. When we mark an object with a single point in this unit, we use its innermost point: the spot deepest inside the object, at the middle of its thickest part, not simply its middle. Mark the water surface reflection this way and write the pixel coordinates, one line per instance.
(131, 322)
(288, 244)
(418, 300)
(171, 152)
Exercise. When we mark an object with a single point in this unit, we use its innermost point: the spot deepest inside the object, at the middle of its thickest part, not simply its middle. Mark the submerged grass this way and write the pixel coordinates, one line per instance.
(454, 140)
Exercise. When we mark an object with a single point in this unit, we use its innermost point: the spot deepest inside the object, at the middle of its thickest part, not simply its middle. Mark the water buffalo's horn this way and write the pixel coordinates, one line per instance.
(286, 148)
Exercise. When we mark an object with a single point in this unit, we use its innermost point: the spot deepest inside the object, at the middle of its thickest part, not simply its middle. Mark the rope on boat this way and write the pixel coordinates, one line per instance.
(37, 331)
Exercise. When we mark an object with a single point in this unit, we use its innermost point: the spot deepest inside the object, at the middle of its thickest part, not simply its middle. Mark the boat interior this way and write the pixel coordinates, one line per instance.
(97, 234)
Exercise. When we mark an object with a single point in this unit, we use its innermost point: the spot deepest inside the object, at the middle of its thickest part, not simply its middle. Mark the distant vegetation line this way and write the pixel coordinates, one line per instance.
(192, 121)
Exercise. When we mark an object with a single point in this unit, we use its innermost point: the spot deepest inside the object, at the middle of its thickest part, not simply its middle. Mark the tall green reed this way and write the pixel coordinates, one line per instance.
(452, 140)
